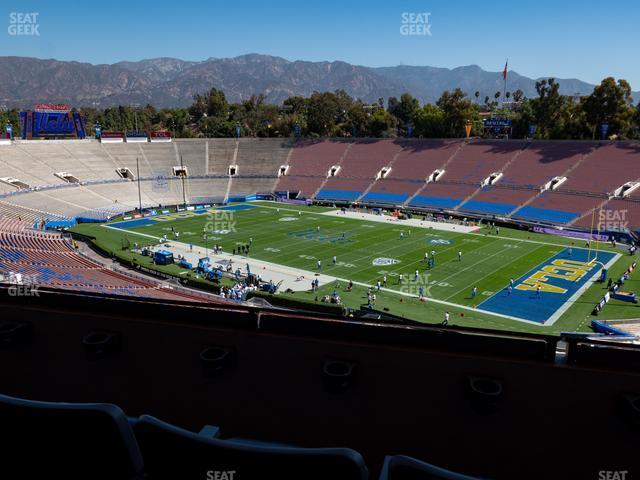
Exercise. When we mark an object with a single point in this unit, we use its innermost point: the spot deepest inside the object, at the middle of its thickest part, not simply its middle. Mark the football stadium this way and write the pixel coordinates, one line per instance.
(226, 276)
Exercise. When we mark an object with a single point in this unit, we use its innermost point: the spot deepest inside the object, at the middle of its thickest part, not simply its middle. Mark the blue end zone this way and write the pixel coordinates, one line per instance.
(556, 216)
(487, 207)
(237, 207)
(385, 197)
(338, 194)
(559, 278)
(140, 222)
(422, 200)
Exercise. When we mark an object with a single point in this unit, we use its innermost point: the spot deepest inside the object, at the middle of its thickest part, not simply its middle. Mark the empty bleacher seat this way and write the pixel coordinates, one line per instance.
(171, 452)
(400, 467)
(66, 440)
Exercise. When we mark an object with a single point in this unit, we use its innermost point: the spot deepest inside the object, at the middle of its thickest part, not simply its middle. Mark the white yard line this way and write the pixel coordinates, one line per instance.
(489, 274)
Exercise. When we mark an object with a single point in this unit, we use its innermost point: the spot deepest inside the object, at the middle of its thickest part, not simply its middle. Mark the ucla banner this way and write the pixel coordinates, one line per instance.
(51, 121)
(543, 293)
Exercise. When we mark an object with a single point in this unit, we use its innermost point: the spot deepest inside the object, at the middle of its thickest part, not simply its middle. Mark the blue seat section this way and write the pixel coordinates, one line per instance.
(555, 216)
(139, 222)
(66, 440)
(170, 453)
(557, 285)
(400, 467)
(488, 207)
(338, 194)
(444, 202)
(385, 197)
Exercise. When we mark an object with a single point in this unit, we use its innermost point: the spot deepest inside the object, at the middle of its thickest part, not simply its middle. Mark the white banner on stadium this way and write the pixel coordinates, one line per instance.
(112, 140)
(5, 141)
(137, 139)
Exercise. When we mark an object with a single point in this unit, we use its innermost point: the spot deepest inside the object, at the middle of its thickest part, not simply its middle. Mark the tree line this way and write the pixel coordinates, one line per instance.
(337, 114)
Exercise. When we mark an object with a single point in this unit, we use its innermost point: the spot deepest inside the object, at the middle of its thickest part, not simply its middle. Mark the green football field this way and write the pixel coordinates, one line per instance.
(365, 251)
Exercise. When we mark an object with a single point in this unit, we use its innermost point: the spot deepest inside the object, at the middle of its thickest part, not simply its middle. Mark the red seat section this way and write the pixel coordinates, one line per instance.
(566, 202)
(419, 158)
(309, 164)
(543, 160)
(478, 159)
(510, 196)
(606, 169)
(616, 214)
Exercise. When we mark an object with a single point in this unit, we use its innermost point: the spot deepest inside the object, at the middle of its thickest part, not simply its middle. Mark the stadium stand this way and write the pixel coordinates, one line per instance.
(525, 168)
(558, 207)
(392, 191)
(46, 259)
(497, 200)
(309, 164)
(476, 160)
(261, 157)
(194, 155)
(606, 169)
(417, 160)
(442, 195)
(360, 166)
(246, 186)
(222, 153)
(543, 160)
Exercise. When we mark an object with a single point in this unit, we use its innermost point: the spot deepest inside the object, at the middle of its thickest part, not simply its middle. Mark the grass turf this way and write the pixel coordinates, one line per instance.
(288, 235)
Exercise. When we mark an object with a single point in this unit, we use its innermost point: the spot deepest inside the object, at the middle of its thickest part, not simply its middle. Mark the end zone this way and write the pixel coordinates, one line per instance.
(544, 293)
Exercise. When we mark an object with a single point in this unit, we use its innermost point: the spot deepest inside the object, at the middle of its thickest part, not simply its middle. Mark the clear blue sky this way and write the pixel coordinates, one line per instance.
(585, 39)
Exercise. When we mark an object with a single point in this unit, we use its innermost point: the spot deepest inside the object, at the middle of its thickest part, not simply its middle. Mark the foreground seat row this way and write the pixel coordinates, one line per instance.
(98, 441)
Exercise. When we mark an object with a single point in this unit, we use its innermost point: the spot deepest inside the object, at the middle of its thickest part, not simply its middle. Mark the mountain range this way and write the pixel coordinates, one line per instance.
(171, 82)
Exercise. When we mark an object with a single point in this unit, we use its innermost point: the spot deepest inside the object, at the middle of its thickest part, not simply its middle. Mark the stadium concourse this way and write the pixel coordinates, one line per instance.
(546, 182)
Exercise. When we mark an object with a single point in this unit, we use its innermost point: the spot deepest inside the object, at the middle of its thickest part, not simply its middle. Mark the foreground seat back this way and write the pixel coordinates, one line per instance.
(400, 467)
(66, 440)
(171, 453)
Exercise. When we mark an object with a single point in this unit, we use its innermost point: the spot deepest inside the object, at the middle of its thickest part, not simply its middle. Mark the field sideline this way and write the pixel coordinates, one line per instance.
(365, 251)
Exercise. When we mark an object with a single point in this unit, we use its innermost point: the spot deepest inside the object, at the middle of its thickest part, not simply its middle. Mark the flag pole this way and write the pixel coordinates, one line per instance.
(504, 76)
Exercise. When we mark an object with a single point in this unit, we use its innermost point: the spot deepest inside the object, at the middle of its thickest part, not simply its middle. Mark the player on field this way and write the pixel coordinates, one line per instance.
(384, 280)
(319, 264)
(334, 259)
(474, 292)
(400, 277)
(445, 322)
(459, 256)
